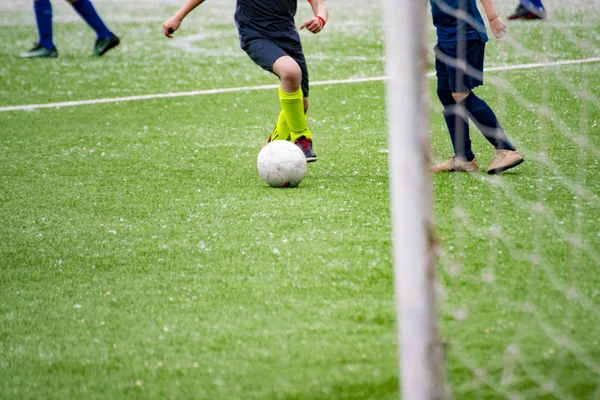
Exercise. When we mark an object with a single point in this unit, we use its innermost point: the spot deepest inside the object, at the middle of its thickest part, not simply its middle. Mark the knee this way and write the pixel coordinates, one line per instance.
(460, 96)
(292, 75)
(289, 71)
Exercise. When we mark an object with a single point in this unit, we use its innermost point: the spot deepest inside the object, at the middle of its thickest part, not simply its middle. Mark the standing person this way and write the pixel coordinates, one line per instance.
(105, 41)
(268, 35)
(529, 9)
(459, 68)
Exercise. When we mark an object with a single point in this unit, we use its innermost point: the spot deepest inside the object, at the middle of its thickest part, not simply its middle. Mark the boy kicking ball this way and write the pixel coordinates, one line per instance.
(270, 38)
(459, 69)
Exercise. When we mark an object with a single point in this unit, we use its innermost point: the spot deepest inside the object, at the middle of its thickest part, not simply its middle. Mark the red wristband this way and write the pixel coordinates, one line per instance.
(496, 17)
(322, 21)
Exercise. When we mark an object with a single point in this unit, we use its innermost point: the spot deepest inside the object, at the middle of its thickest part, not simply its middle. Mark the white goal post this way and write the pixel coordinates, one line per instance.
(421, 352)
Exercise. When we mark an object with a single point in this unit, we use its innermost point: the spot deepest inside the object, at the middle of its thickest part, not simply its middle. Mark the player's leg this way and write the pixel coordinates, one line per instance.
(43, 18)
(282, 130)
(303, 139)
(292, 103)
(455, 116)
(529, 9)
(484, 117)
(271, 57)
(106, 40)
(264, 53)
(536, 8)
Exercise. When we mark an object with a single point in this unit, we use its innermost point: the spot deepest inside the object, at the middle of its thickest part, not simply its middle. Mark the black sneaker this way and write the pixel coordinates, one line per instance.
(103, 45)
(523, 12)
(39, 51)
(305, 145)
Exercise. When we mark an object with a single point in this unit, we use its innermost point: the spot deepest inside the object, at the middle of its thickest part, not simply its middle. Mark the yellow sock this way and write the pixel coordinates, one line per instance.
(282, 130)
(307, 133)
(292, 106)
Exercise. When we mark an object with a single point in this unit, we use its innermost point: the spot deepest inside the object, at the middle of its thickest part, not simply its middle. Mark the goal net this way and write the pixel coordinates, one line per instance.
(518, 281)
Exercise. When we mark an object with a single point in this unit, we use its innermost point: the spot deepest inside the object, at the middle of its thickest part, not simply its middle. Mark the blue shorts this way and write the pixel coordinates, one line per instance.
(265, 52)
(456, 74)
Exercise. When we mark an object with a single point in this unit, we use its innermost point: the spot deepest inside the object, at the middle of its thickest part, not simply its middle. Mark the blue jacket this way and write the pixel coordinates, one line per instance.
(453, 16)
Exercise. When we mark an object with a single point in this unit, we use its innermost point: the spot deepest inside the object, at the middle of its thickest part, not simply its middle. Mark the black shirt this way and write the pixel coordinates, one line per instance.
(269, 19)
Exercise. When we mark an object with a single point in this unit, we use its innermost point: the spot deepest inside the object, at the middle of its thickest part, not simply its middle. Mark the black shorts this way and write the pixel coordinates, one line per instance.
(265, 52)
(459, 74)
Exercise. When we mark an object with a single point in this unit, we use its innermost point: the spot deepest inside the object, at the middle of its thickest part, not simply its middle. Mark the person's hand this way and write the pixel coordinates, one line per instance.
(498, 27)
(170, 26)
(314, 24)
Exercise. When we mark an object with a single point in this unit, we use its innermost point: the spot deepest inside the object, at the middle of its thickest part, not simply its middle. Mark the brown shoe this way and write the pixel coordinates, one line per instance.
(503, 160)
(455, 165)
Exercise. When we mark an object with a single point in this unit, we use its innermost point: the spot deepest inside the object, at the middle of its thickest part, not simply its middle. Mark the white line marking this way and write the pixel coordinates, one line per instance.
(544, 64)
(31, 107)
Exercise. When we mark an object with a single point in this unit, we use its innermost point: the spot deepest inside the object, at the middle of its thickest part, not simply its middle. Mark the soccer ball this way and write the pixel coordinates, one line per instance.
(281, 164)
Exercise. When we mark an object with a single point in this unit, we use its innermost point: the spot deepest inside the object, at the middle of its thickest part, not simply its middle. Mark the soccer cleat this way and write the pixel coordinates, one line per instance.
(523, 12)
(103, 45)
(39, 51)
(305, 145)
(503, 160)
(455, 165)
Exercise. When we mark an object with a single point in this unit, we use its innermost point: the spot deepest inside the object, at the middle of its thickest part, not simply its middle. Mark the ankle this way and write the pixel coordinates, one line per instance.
(464, 158)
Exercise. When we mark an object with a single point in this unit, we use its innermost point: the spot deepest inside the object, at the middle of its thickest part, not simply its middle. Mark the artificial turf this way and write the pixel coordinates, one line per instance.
(141, 255)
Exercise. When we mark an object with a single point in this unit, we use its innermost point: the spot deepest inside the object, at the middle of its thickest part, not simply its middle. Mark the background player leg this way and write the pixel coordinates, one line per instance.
(106, 40)
(456, 118)
(507, 155)
(529, 9)
(43, 18)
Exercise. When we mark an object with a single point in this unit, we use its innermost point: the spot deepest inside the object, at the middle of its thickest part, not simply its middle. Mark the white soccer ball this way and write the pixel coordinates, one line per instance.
(281, 164)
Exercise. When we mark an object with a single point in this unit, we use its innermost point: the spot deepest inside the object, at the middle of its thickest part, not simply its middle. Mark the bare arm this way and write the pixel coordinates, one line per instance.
(173, 23)
(496, 23)
(490, 9)
(319, 9)
(316, 23)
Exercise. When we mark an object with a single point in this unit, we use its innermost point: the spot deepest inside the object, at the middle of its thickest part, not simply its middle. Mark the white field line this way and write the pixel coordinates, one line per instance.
(30, 107)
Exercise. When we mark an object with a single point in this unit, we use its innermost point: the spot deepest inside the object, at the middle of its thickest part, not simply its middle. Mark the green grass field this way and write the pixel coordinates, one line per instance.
(141, 256)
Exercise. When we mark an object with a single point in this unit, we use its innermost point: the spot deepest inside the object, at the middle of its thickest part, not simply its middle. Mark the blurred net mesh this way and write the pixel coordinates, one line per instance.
(520, 262)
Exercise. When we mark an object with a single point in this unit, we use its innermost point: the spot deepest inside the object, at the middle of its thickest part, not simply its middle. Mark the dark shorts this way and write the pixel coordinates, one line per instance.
(265, 52)
(459, 74)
